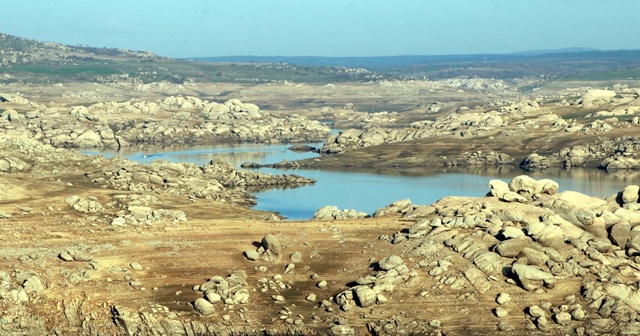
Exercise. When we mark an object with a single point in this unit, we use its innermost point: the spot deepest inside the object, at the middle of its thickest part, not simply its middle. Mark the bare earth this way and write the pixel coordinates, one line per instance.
(72, 269)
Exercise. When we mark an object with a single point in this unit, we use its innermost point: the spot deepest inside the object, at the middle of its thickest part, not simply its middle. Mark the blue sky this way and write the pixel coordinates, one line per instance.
(184, 28)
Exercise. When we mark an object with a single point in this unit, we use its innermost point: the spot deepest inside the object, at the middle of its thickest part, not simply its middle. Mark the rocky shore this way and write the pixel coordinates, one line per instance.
(522, 259)
(172, 120)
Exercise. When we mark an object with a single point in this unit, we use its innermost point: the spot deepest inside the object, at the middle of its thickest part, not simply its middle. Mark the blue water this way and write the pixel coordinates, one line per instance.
(369, 191)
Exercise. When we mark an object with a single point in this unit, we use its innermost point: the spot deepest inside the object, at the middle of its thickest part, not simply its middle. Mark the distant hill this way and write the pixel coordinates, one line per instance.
(386, 61)
(26, 60)
(561, 63)
(553, 51)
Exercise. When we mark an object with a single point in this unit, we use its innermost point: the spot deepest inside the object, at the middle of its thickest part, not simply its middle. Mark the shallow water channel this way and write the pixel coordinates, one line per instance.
(369, 190)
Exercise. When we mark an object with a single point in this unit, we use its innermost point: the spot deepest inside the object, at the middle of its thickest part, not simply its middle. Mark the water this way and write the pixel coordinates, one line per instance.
(236, 154)
(373, 189)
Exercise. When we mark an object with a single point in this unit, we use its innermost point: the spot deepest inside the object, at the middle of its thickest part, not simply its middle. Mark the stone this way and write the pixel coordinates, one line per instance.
(511, 232)
(630, 194)
(500, 312)
(511, 247)
(619, 233)
(534, 257)
(562, 318)
(33, 284)
(136, 266)
(271, 243)
(213, 297)
(530, 277)
(66, 256)
(251, 255)
(326, 212)
(542, 323)
(311, 297)
(204, 307)
(390, 262)
(296, 257)
(524, 185)
(289, 268)
(365, 296)
(536, 311)
(322, 284)
(578, 314)
(503, 298)
(597, 97)
(498, 188)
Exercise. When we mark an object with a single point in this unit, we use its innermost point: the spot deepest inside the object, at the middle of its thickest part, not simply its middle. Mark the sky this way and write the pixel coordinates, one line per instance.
(200, 28)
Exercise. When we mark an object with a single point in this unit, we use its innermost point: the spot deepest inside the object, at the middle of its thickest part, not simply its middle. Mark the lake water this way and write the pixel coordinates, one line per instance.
(369, 190)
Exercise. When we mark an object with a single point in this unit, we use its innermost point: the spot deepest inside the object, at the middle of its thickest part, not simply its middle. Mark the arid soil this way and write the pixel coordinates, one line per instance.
(95, 246)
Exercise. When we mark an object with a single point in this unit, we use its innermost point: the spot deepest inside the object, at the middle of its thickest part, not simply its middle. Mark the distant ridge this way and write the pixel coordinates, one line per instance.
(376, 62)
(553, 51)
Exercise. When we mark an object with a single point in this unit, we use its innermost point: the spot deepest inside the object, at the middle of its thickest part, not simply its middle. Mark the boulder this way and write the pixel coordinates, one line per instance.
(630, 194)
(530, 277)
(390, 262)
(597, 97)
(524, 185)
(252, 255)
(498, 188)
(204, 307)
(88, 139)
(365, 296)
(510, 248)
(619, 233)
(272, 244)
(534, 257)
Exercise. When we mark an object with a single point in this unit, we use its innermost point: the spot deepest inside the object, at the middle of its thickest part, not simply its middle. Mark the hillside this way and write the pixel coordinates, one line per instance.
(25, 60)
(563, 64)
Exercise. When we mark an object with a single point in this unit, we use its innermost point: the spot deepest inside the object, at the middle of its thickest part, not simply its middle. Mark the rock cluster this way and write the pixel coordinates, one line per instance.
(229, 291)
(535, 237)
(270, 249)
(190, 120)
(84, 205)
(215, 180)
(468, 124)
(9, 164)
(332, 212)
(480, 158)
(363, 120)
(370, 290)
(27, 286)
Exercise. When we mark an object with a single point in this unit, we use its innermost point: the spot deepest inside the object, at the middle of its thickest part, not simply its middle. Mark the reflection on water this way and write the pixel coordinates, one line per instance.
(236, 154)
(370, 189)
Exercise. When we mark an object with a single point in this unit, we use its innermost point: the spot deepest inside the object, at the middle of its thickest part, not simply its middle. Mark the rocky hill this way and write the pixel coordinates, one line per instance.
(25, 60)
(16, 51)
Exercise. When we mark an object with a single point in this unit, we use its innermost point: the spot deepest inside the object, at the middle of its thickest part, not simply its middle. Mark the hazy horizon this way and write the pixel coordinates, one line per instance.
(329, 28)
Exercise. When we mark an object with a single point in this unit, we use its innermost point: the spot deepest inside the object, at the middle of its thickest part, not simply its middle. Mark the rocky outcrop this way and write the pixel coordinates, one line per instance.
(597, 97)
(190, 120)
(480, 158)
(464, 125)
(370, 290)
(215, 180)
(332, 212)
